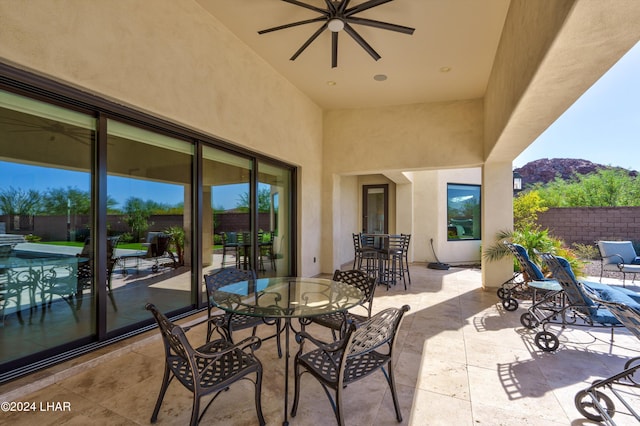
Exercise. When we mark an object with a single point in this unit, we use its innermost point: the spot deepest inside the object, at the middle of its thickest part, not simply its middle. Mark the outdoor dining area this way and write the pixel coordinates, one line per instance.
(458, 358)
(383, 256)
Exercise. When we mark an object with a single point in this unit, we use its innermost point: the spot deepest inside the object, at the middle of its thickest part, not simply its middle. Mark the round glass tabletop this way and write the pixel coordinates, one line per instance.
(286, 297)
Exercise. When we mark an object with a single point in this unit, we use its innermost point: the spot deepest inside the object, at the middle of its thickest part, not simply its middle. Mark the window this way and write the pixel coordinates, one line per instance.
(463, 212)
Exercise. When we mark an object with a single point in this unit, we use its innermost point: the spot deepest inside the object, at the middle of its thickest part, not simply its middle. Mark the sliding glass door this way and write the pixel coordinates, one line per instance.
(45, 209)
(227, 207)
(97, 217)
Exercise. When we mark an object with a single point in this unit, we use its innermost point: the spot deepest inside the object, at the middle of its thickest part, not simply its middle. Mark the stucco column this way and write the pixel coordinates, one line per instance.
(497, 215)
(404, 212)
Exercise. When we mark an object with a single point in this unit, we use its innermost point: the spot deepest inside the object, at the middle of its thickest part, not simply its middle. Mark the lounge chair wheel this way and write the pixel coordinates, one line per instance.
(529, 321)
(154, 268)
(588, 408)
(510, 304)
(502, 293)
(546, 341)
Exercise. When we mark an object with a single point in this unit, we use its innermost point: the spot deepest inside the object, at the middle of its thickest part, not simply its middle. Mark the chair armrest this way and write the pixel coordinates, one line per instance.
(618, 259)
(251, 341)
(325, 346)
(302, 335)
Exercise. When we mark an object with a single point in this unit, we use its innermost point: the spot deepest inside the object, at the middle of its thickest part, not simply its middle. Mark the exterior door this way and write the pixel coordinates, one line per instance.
(375, 209)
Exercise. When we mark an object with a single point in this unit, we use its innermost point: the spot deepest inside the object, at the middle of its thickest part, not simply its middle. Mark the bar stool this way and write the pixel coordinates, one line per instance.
(365, 255)
(405, 255)
(392, 256)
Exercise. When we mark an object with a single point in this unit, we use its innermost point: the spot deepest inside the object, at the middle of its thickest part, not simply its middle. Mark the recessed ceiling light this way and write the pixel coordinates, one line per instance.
(445, 69)
(379, 77)
(331, 83)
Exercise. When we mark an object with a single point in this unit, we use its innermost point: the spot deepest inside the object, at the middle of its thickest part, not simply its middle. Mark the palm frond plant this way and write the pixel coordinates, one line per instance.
(535, 241)
(177, 236)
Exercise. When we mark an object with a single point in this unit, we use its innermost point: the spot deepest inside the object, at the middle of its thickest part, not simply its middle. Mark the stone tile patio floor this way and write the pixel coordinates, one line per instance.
(461, 360)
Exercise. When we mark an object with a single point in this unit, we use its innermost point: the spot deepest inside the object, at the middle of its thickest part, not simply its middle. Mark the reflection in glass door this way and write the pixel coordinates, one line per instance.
(45, 209)
(226, 217)
(274, 220)
(149, 223)
(375, 209)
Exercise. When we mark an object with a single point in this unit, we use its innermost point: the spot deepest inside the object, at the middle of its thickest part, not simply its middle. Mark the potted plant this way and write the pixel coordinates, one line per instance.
(177, 236)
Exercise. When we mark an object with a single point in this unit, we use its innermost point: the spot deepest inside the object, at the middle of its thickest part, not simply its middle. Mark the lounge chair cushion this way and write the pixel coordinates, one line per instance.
(539, 276)
(614, 294)
(599, 288)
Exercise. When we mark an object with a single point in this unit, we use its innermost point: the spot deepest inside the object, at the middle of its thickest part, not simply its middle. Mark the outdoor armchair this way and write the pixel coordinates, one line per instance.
(337, 320)
(363, 351)
(618, 256)
(226, 323)
(210, 368)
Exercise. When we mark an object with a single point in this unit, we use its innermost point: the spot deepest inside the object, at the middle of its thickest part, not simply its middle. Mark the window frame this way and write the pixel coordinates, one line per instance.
(454, 230)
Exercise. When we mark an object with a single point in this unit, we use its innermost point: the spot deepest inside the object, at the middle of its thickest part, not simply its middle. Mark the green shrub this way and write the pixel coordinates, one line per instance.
(586, 251)
(32, 238)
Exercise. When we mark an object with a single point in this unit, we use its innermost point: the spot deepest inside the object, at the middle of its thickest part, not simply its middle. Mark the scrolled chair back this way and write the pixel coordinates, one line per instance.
(226, 276)
(170, 333)
(381, 329)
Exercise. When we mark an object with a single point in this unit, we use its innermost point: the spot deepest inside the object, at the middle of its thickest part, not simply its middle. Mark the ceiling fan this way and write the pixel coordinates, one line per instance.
(339, 16)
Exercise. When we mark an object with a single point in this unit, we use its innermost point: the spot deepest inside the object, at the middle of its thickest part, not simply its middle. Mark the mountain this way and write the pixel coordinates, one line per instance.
(545, 170)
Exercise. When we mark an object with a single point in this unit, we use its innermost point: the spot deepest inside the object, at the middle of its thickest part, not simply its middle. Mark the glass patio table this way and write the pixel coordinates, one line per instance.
(287, 298)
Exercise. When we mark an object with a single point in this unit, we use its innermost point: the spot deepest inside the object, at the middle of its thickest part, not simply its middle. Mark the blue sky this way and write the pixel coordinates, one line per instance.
(602, 126)
(27, 177)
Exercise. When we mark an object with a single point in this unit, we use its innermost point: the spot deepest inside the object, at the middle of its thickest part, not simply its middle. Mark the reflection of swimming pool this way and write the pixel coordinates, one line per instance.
(28, 254)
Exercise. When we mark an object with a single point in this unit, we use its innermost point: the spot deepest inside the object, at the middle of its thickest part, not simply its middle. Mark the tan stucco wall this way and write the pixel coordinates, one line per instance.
(174, 60)
(413, 137)
(339, 250)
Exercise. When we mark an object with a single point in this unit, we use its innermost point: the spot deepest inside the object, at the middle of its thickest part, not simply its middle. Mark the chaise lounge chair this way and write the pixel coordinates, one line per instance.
(576, 309)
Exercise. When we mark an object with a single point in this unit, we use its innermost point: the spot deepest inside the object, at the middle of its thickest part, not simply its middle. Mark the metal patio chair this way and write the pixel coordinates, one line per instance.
(360, 280)
(226, 323)
(363, 351)
(208, 369)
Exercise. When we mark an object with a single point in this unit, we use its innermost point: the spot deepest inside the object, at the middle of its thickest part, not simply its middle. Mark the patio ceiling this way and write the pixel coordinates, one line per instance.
(449, 56)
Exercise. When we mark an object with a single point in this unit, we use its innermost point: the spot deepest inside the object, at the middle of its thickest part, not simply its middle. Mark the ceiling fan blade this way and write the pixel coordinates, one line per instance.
(381, 25)
(306, 6)
(293, 24)
(349, 30)
(308, 42)
(343, 6)
(364, 6)
(334, 50)
(330, 6)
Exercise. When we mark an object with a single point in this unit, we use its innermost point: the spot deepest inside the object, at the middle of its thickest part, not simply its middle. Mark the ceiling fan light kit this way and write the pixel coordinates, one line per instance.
(337, 17)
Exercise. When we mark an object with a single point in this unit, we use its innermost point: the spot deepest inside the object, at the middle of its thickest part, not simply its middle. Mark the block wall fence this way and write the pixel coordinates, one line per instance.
(585, 225)
(55, 228)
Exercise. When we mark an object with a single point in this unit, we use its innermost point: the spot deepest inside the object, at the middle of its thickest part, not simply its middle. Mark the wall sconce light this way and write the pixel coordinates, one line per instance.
(517, 182)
